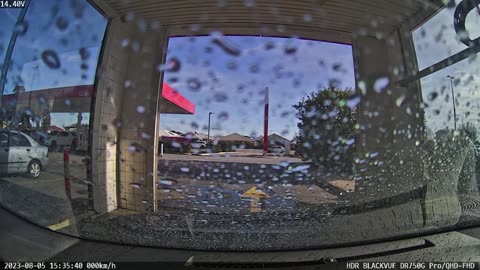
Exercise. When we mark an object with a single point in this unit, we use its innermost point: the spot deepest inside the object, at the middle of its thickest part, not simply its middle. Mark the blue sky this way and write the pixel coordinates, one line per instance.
(61, 26)
(234, 85)
(434, 41)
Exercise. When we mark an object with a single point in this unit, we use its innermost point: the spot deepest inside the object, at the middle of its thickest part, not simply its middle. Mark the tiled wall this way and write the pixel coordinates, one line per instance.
(138, 116)
(125, 119)
(108, 103)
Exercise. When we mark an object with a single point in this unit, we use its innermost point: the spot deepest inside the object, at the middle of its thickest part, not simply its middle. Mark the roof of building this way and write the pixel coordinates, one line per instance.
(167, 133)
(275, 136)
(196, 135)
(235, 137)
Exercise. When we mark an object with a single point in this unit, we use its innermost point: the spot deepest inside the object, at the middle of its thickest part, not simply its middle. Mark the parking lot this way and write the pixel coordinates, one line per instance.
(52, 181)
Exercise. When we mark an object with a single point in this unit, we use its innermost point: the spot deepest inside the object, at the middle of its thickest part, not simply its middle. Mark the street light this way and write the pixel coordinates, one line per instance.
(208, 135)
(453, 100)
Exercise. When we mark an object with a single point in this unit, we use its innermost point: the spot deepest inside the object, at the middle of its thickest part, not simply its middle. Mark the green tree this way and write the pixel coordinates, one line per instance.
(327, 127)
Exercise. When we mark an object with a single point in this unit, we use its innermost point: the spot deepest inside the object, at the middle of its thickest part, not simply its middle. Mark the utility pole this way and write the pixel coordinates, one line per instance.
(453, 100)
(265, 123)
(208, 135)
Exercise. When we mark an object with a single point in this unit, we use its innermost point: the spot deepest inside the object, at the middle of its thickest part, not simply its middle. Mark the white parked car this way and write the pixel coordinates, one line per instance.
(199, 145)
(277, 150)
(20, 153)
(60, 139)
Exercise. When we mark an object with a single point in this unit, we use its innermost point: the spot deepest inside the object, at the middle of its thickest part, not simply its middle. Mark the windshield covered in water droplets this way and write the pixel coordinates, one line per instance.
(241, 125)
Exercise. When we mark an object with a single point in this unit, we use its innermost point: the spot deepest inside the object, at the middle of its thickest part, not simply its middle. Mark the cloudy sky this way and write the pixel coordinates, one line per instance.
(435, 41)
(229, 79)
(59, 26)
(233, 77)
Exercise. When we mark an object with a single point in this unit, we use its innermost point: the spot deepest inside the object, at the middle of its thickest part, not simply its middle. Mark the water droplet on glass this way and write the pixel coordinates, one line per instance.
(194, 125)
(223, 116)
(184, 169)
(172, 65)
(352, 103)
(254, 68)
(456, 82)
(142, 25)
(136, 185)
(226, 47)
(290, 49)
(432, 96)
(337, 67)
(50, 58)
(140, 109)
(232, 65)
(450, 3)
(135, 147)
(380, 84)
(399, 100)
(61, 23)
(124, 43)
(21, 28)
(220, 97)
(307, 17)
(194, 84)
(269, 45)
(84, 53)
(249, 3)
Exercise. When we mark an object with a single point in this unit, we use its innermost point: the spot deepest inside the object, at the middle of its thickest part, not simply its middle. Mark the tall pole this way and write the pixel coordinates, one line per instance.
(208, 135)
(453, 100)
(265, 124)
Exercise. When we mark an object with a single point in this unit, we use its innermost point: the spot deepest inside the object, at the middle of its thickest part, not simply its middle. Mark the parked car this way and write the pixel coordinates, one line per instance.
(276, 150)
(199, 145)
(60, 139)
(41, 137)
(20, 153)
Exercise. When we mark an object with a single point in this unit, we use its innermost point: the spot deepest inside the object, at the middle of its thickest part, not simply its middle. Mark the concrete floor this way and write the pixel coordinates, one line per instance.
(251, 156)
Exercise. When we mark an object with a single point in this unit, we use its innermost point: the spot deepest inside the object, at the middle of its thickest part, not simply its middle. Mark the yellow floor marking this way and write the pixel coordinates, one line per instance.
(58, 226)
(255, 196)
(347, 185)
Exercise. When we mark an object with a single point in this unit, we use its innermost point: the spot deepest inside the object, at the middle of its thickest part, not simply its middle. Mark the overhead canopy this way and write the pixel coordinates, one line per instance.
(78, 98)
(338, 18)
(173, 102)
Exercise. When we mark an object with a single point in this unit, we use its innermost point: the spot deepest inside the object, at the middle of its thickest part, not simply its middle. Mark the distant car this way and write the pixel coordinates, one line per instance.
(20, 153)
(199, 145)
(40, 136)
(277, 150)
(60, 139)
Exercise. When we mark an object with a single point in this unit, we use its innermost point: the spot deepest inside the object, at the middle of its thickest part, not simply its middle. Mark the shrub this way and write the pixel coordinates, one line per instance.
(327, 128)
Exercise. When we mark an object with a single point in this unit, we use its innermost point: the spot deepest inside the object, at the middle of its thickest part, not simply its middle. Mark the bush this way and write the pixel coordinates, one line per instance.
(214, 148)
(175, 148)
(232, 146)
(186, 148)
(327, 128)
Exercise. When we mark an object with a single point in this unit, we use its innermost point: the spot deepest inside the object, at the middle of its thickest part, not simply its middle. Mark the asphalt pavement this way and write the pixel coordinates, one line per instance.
(43, 200)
